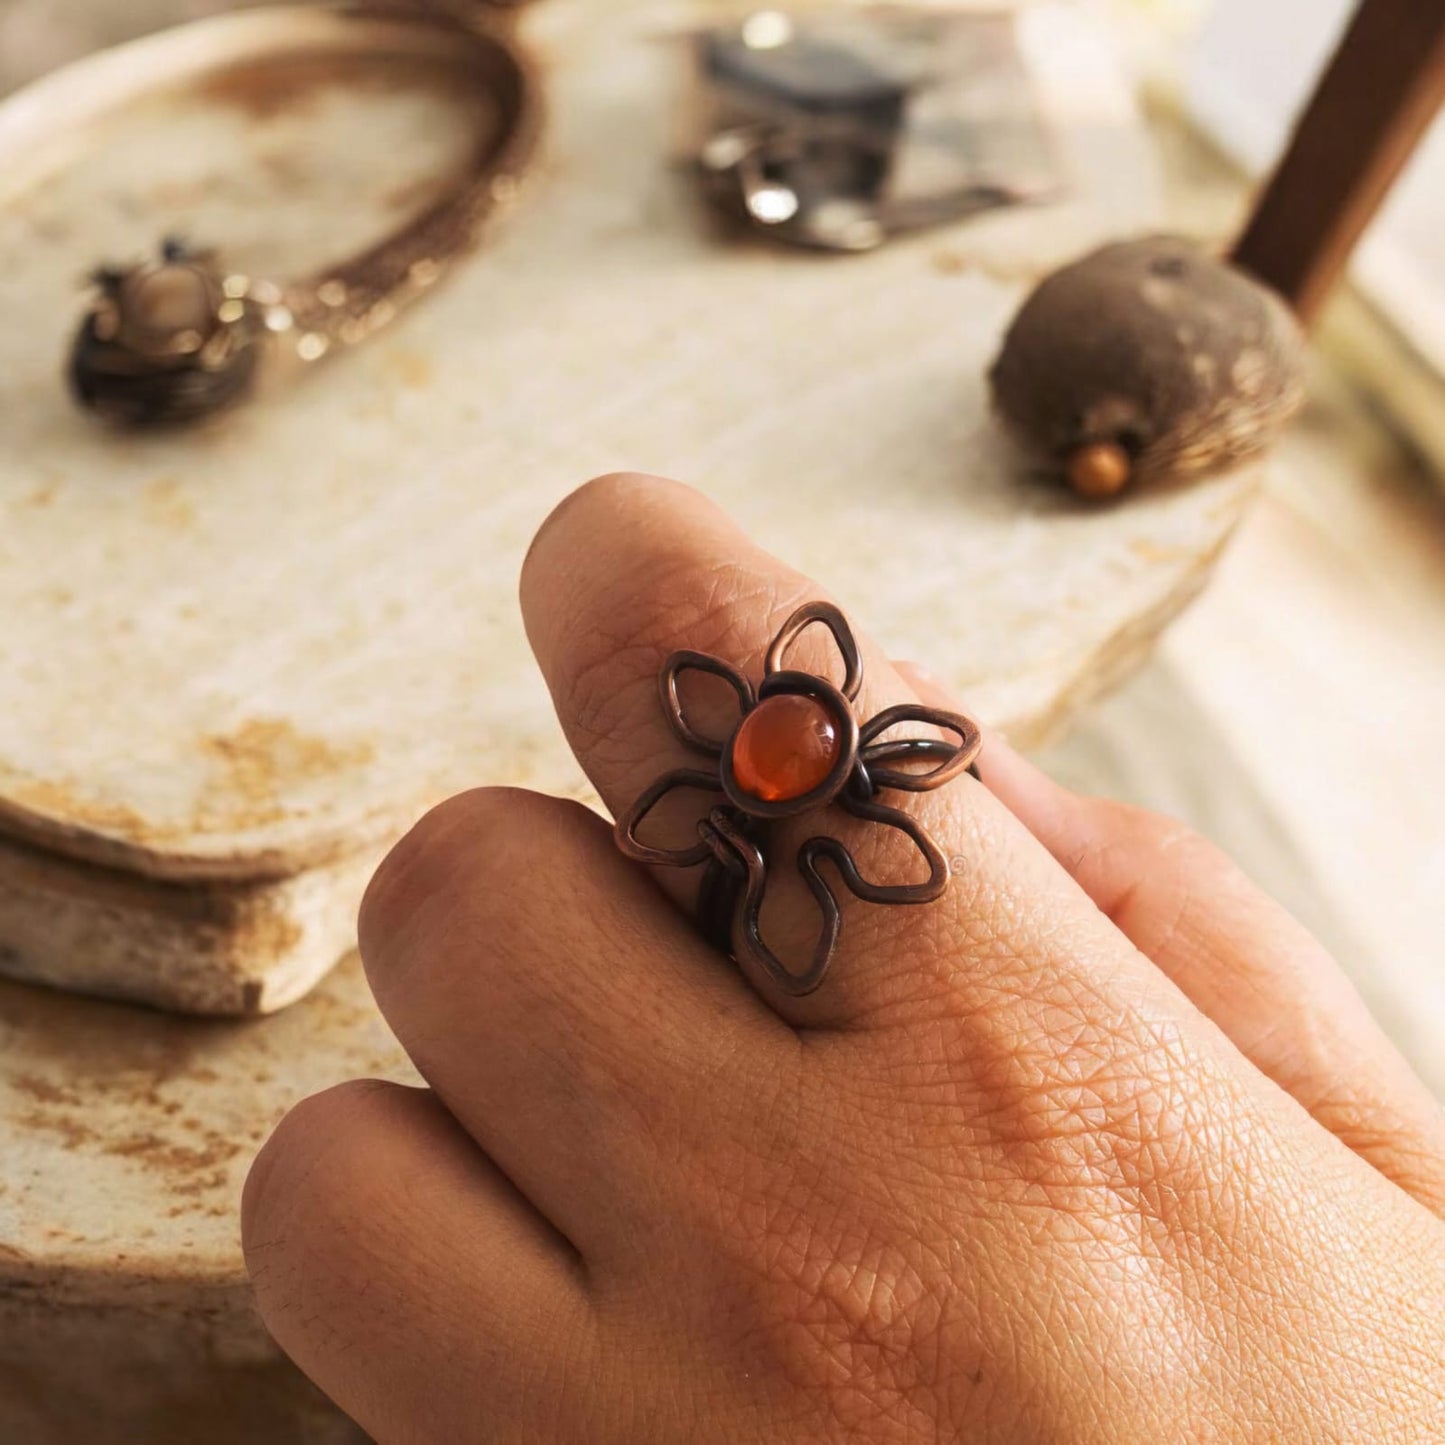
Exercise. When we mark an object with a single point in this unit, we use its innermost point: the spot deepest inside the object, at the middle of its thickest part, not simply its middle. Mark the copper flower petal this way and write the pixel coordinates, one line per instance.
(687, 661)
(749, 910)
(875, 812)
(955, 758)
(629, 822)
(828, 616)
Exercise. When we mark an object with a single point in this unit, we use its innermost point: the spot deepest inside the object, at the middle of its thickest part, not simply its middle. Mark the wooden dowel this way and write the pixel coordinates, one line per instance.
(1374, 102)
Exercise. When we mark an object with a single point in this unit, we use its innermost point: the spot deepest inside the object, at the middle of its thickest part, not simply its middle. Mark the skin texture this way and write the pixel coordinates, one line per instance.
(1100, 1146)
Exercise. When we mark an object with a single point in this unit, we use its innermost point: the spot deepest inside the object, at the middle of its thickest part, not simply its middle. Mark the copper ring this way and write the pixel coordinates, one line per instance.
(733, 837)
(177, 338)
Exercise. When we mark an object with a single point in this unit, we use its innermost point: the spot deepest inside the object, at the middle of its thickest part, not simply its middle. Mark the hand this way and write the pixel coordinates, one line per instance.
(1099, 1146)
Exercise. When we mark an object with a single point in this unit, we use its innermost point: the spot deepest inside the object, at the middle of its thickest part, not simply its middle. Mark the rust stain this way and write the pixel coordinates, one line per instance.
(41, 495)
(295, 87)
(45, 1091)
(283, 169)
(193, 1167)
(256, 769)
(71, 1130)
(95, 1045)
(411, 368)
(59, 800)
(264, 93)
(1148, 551)
(258, 762)
(259, 938)
(184, 1159)
(168, 505)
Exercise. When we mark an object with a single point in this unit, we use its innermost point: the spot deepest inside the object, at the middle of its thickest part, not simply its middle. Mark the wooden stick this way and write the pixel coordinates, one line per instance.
(1380, 91)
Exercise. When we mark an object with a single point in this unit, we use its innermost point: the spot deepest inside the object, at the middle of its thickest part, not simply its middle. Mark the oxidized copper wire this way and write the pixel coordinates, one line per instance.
(733, 837)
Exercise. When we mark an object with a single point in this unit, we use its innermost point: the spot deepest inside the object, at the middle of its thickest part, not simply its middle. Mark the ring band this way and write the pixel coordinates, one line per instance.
(177, 338)
(798, 746)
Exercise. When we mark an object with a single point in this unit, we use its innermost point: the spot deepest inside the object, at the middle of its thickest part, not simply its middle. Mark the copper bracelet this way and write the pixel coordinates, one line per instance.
(180, 337)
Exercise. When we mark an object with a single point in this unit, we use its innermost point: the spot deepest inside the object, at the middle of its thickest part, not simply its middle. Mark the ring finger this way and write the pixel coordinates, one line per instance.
(629, 571)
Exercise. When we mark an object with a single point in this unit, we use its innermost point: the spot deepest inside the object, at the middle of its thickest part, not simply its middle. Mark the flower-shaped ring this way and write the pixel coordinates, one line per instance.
(798, 746)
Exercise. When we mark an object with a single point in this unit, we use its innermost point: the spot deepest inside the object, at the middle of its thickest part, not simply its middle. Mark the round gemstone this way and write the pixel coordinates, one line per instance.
(786, 746)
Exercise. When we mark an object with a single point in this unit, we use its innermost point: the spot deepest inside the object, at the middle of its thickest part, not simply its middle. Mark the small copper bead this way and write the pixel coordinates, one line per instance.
(1100, 469)
(785, 747)
(167, 300)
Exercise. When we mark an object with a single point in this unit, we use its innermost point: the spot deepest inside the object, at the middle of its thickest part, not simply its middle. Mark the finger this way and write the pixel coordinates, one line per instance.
(564, 1013)
(1242, 960)
(631, 569)
(406, 1276)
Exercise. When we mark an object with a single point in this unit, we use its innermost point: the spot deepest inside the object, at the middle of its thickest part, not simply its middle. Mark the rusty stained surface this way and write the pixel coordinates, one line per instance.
(260, 762)
(248, 774)
(253, 771)
(129, 1132)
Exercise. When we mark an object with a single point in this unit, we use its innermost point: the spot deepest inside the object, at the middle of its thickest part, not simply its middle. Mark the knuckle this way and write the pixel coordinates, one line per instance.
(1150, 874)
(840, 1303)
(1359, 1123)
(853, 1324)
(1405, 1147)
(1155, 1161)
(478, 905)
(319, 1210)
(1168, 842)
(1156, 829)
(296, 1179)
(466, 850)
(411, 870)
(607, 487)
(596, 509)
(1102, 1121)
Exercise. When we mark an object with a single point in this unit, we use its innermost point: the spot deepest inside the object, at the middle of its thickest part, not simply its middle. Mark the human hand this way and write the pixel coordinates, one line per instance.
(1099, 1146)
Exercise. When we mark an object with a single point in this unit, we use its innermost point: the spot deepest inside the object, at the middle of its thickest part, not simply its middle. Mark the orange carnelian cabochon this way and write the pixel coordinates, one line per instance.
(784, 748)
